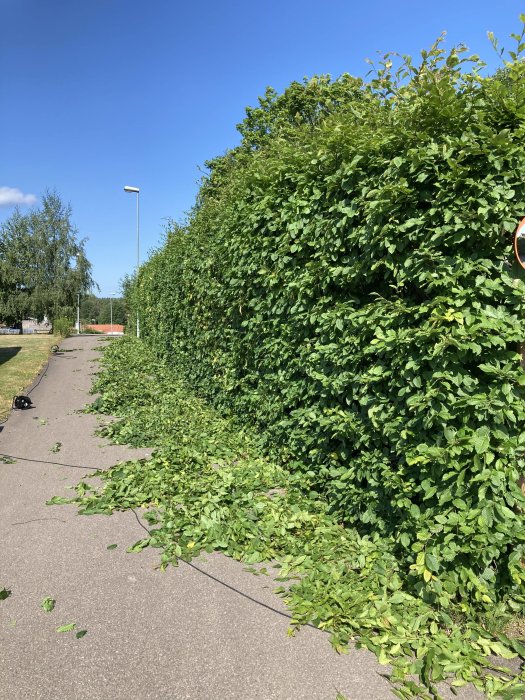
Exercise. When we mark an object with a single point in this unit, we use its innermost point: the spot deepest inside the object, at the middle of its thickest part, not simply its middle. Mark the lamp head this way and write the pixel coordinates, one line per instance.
(128, 188)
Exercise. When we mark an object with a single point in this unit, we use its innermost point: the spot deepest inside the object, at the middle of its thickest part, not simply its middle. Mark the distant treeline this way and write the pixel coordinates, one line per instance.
(95, 309)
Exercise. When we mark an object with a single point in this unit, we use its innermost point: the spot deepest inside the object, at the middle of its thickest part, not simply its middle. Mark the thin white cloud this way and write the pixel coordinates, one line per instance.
(10, 196)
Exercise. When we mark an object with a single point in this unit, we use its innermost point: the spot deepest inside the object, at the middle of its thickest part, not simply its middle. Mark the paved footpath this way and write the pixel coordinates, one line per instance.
(206, 631)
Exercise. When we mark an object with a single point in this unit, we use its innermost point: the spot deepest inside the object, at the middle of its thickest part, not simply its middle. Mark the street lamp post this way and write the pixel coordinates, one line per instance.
(128, 188)
(78, 296)
(111, 312)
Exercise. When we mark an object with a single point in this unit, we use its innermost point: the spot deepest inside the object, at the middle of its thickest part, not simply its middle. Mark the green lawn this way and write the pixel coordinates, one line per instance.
(21, 358)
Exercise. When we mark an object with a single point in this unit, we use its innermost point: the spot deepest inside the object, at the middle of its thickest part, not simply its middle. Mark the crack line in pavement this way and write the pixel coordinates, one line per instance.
(36, 520)
(235, 590)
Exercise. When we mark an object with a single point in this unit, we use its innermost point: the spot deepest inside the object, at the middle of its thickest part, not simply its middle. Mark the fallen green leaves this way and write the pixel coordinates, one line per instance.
(71, 627)
(66, 628)
(48, 604)
(208, 488)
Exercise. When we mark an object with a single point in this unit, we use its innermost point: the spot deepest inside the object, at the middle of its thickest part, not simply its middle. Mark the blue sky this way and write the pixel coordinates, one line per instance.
(101, 94)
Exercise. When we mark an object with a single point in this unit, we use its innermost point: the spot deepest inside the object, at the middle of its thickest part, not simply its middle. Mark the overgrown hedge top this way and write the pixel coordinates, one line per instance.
(345, 284)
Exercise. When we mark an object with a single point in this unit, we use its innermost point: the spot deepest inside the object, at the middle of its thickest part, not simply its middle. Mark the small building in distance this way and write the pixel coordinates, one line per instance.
(31, 325)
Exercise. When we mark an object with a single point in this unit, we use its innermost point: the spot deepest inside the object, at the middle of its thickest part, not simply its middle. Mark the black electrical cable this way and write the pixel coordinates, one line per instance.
(188, 563)
(42, 374)
(232, 588)
(193, 566)
(44, 461)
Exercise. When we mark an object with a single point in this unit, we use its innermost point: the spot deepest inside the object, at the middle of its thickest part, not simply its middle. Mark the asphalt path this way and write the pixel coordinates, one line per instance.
(200, 631)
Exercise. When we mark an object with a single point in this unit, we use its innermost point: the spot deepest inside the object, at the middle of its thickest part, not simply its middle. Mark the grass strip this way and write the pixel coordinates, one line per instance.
(208, 488)
(21, 359)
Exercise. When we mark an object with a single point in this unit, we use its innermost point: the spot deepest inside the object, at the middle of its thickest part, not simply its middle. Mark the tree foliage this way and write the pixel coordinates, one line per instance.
(42, 263)
(283, 117)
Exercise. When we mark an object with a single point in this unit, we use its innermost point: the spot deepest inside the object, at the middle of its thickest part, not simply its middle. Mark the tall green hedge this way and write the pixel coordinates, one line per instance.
(344, 285)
